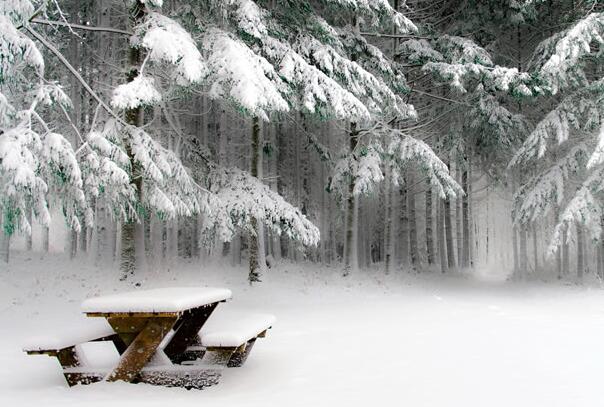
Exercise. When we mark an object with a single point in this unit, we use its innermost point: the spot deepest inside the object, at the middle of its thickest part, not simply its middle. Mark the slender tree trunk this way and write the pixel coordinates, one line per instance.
(535, 248)
(429, 226)
(403, 226)
(580, 252)
(4, 242)
(255, 270)
(565, 254)
(516, 271)
(133, 117)
(349, 251)
(45, 239)
(387, 219)
(523, 251)
(440, 232)
(449, 234)
(465, 210)
(28, 239)
(598, 250)
(413, 250)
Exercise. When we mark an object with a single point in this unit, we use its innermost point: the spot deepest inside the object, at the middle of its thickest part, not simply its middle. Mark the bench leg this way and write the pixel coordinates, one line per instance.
(141, 350)
(239, 357)
(187, 329)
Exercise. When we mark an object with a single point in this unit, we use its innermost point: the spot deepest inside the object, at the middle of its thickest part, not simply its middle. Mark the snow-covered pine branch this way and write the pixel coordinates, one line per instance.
(243, 198)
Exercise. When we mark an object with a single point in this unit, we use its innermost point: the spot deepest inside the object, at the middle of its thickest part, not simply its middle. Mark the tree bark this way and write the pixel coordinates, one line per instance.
(429, 225)
(465, 210)
(349, 251)
(440, 232)
(255, 271)
(449, 234)
(133, 117)
(387, 220)
(580, 252)
(413, 250)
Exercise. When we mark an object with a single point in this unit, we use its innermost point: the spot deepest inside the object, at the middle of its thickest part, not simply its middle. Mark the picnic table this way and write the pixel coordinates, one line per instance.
(160, 336)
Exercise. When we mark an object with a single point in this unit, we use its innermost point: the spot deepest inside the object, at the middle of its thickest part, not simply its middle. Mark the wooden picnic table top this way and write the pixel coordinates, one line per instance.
(155, 302)
(143, 318)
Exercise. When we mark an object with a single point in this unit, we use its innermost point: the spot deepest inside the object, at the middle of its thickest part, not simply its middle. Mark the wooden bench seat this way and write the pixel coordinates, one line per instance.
(228, 337)
(65, 347)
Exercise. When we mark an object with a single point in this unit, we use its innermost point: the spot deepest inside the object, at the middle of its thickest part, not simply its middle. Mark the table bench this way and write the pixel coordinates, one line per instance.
(170, 323)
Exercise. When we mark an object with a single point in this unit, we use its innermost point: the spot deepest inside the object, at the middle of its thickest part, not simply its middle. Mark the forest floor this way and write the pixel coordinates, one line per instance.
(369, 339)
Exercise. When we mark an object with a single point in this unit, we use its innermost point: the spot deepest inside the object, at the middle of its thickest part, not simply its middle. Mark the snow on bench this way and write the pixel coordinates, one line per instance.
(231, 329)
(174, 299)
(228, 337)
(80, 331)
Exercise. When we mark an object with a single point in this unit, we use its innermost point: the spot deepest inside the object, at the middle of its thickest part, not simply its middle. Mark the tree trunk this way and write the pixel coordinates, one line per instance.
(349, 251)
(429, 225)
(45, 239)
(465, 210)
(403, 226)
(387, 219)
(133, 117)
(255, 269)
(580, 252)
(413, 250)
(516, 270)
(4, 242)
(535, 248)
(565, 254)
(449, 234)
(523, 251)
(28, 239)
(440, 232)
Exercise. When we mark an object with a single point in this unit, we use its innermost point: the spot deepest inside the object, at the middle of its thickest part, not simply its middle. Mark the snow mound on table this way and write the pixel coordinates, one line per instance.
(232, 329)
(174, 299)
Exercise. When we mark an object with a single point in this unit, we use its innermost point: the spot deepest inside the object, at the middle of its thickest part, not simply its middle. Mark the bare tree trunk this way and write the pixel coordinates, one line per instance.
(535, 248)
(580, 252)
(413, 250)
(255, 270)
(523, 251)
(4, 242)
(516, 270)
(403, 226)
(440, 232)
(429, 225)
(45, 239)
(449, 234)
(349, 251)
(28, 239)
(565, 254)
(387, 219)
(133, 117)
(465, 210)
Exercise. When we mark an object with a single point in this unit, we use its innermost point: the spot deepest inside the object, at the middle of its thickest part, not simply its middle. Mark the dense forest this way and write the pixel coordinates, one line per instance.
(408, 135)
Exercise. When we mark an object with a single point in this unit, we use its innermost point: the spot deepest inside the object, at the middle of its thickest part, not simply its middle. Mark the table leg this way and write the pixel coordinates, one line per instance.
(187, 329)
(142, 348)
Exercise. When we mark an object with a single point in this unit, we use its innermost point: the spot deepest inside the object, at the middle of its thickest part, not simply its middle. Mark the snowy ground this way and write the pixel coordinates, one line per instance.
(368, 340)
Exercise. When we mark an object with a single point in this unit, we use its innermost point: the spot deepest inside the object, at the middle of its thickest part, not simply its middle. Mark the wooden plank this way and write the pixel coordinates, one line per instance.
(187, 329)
(141, 349)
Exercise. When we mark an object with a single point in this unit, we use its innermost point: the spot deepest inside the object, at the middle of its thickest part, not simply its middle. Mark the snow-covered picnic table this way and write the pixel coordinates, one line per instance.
(162, 325)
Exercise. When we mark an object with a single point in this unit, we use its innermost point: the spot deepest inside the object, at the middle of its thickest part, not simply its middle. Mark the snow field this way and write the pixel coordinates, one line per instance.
(366, 340)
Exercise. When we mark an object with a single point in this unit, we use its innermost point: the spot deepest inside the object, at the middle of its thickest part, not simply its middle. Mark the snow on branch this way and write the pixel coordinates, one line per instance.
(243, 77)
(546, 190)
(566, 50)
(138, 92)
(243, 197)
(168, 42)
(582, 111)
(405, 150)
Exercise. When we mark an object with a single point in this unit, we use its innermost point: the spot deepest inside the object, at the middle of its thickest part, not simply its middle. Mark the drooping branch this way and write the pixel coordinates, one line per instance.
(81, 27)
